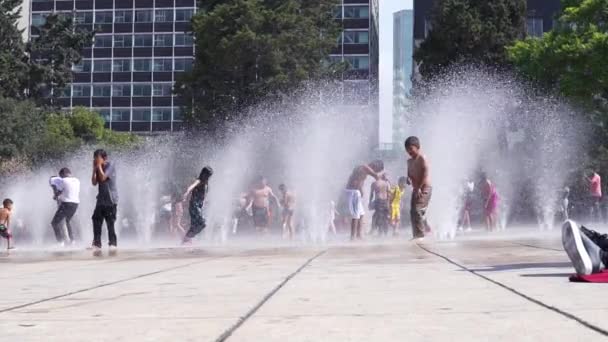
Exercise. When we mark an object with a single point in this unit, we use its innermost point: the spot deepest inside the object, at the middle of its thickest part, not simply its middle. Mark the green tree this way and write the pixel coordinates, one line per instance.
(13, 59)
(52, 54)
(58, 138)
(21, 128)
(249, 50)
(86, 124)
(470, 32)
(572, 60)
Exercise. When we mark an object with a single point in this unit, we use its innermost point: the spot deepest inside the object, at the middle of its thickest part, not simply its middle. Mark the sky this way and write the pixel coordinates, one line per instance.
(386, 10)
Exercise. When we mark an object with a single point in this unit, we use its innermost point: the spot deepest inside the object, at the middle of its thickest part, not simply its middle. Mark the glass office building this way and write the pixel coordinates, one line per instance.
(127, 74)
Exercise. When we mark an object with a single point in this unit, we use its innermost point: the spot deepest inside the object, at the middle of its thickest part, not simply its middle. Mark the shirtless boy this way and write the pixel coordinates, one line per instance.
(288, 202)
(380, 190)
(5, 222)
(419, 178)
(352, 204)
(260, 207)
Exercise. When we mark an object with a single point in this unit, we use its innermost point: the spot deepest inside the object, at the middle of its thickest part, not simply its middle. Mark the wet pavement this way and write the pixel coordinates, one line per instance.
(498, 287)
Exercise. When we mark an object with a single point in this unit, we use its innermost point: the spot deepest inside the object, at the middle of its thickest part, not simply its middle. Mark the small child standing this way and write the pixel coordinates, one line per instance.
(396, 196)
(5, 221)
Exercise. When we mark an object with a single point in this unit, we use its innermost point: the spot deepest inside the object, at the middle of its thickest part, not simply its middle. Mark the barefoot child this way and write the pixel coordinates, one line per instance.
(419, 176)
(198, 193)
(351, 203)
(288, 202)
(5, 221)
(396, 195)
(380, 191)
(467, 206)
(259, 202)
(490, 200)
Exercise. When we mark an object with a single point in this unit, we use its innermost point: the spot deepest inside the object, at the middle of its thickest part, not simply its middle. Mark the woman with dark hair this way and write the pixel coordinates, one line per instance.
(197, 192)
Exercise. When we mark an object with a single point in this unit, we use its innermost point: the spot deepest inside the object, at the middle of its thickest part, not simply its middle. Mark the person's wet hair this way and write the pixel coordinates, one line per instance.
(377, 165)
(402, 180)
(100, 153)
(412, 141)
(7, 202)
(64, 172)
(206, 172)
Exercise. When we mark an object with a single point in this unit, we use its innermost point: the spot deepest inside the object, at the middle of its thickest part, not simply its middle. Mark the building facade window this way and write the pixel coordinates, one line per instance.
(142, 40)
(162, 89)
(105, 113)
(122, 65)
(121, 114)
(104, 17)
(356, 12)
(163, 16)
(162, 64)
(142, 65)
(356, 37)
(357, 62)
(81, 90)
(142, 89)
(161, 114)
(163, 40)
(103, 41)
(182, 15)
(83, 17)
(141, 114)
(143, 16)
(83, 66)
(39, 19)
(178, 114)
(123, 40)
(183, 64)
(102, 90)
(102, 65)
(123, 16)
(182, 39)
(121, 90)
(535, 27)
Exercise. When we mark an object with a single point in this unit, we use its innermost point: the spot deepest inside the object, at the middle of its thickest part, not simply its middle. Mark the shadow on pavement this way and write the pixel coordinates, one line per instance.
(547, 275)
(509, 267)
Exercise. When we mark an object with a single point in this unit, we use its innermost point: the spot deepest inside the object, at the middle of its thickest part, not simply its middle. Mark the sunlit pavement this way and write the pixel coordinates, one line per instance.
(498, 287)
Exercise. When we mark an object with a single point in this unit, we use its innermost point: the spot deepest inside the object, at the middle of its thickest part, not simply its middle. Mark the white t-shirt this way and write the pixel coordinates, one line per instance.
(70, 190)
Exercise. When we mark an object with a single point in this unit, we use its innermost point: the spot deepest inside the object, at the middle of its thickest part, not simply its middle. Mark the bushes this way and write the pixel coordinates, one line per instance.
(31, 135)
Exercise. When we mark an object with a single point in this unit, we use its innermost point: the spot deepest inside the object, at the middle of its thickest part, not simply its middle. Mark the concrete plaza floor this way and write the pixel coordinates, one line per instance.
(480, 287)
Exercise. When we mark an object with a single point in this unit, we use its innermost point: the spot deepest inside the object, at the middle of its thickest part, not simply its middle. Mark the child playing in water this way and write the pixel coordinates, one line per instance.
(5, 221)
(418, 175)
(198, 193)
(351, 200)
(396, 195)
(288, 202)
(490, 199)
(177, 213)
(467, 205)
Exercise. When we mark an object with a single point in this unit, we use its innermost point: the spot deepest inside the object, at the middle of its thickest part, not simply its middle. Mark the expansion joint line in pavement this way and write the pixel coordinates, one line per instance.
(524, 296)
(537, 247)
(226, 334)
(21, 306)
